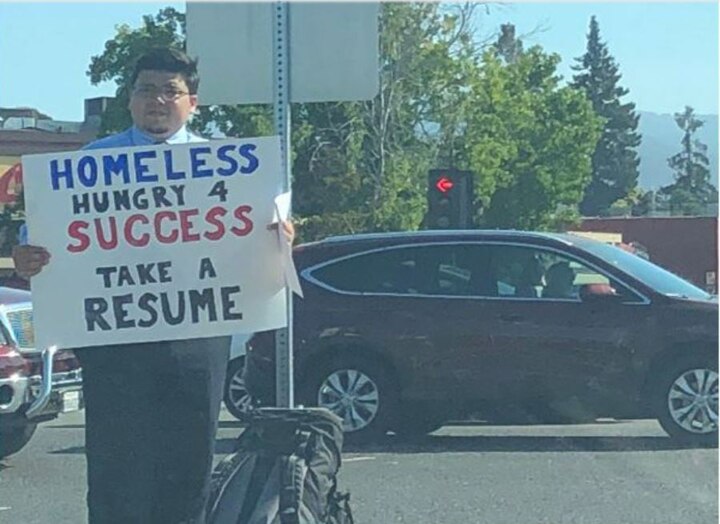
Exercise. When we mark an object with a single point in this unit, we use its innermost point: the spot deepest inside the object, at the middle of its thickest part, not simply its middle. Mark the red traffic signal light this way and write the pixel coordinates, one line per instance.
(444, 184)
(450, 199)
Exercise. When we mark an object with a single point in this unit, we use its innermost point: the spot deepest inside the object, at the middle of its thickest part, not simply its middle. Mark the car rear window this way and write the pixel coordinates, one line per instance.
(427, 270)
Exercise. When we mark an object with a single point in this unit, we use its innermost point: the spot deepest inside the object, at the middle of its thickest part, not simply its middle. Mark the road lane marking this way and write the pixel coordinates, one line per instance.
(358, 459)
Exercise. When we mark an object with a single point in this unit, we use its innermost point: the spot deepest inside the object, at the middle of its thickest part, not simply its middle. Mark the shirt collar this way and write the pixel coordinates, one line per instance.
(139, 138)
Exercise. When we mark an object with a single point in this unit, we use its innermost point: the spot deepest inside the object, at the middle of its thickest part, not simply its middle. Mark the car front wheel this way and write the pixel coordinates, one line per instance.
(237, 398)
(358, 391)
(687, 400)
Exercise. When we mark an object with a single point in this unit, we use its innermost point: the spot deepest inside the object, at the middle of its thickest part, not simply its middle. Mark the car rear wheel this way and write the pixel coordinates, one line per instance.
(13, 440)
(687, 400)
(360, 392)
(238, 400)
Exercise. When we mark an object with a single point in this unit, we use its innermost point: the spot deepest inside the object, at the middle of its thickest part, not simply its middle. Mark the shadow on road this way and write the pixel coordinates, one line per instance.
(460, 444)
(456, 444)
(466, 443)
(75, 450)
(224, 424)
(463, 444)
(229, 424)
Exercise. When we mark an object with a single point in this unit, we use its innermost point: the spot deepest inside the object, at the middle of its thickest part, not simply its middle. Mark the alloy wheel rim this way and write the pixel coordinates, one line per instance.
(351, 395)
(238, 393)
(693, 401)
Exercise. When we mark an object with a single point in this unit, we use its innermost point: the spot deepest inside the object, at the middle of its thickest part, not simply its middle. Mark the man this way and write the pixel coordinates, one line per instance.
(151, 409)
(559, 281)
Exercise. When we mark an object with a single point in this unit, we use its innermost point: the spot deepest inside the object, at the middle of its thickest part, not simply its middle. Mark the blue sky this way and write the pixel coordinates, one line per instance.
(667, 52)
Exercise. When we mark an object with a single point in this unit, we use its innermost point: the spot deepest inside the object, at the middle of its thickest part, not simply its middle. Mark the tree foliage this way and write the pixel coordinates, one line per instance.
(692, 192)
(508, 46)
(443, 101)
(116, 62)
(527, 139)
(379, 150)
(615, 161)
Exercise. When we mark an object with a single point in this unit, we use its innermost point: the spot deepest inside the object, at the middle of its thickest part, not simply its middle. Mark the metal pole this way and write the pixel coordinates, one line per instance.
(281, 74)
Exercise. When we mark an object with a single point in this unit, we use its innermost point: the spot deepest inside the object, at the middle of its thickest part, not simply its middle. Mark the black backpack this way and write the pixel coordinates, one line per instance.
(282, 472)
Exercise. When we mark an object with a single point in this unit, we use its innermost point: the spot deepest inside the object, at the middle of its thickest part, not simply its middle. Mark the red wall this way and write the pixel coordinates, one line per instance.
(687, 246)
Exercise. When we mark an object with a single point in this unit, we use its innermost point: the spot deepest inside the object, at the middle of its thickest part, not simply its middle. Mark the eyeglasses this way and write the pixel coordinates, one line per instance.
(167, 94)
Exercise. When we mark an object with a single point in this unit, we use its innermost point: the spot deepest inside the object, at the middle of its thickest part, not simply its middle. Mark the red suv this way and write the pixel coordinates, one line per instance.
(404, 331)
(35, 386)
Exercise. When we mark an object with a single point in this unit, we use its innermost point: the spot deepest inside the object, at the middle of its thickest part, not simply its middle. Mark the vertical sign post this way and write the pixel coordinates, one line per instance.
(328, 49)
(281, 87)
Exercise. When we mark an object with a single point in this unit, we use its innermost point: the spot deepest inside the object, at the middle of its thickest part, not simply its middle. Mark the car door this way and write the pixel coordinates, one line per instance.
(443, 327)
(413, 304)
(556, 346)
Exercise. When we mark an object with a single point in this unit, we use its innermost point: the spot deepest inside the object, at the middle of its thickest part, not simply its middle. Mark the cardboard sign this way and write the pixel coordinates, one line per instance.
(161, 242)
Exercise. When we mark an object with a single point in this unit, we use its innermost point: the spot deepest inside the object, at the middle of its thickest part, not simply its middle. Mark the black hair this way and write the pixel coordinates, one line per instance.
(171, 61)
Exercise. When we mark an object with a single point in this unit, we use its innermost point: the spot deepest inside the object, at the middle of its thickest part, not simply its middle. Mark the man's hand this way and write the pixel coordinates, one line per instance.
(29, 260)
(288, 230)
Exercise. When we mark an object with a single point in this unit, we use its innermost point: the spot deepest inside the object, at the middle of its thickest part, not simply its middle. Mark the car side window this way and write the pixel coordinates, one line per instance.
(464, 270)
(528, 272)
(402, 270)
(516, 272)
(443, 269)
(354, 274)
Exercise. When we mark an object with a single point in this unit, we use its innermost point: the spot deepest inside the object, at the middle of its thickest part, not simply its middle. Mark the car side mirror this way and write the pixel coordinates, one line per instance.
(598, 293)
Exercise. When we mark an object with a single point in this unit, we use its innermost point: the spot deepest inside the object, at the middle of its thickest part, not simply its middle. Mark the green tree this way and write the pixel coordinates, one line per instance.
(11, 216)
(632, 205)
(645, 204)
(692, 192)
(615, 160)
(356, 166)
(362, 166)
(116, 62)
(508, 46)
(528, 140)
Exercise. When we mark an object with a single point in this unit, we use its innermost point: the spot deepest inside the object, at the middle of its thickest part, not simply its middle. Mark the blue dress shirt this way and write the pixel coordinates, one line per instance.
(134, 137)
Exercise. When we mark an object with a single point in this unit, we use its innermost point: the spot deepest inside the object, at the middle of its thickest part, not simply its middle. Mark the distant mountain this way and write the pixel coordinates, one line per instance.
(661, 139)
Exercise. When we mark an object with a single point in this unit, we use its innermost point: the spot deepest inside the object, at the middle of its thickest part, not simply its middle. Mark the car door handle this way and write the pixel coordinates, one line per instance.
(512, 318)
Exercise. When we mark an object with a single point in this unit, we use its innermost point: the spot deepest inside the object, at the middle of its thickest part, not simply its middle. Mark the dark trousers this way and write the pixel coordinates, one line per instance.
(151, 414)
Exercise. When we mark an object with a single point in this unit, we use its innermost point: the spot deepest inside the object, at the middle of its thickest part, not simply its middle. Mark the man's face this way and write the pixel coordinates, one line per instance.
(160, 103)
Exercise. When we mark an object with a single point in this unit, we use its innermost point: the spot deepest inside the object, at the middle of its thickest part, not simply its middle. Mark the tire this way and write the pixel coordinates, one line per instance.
(13, 440)
(686, 400)
(237, 399)
(359, 390)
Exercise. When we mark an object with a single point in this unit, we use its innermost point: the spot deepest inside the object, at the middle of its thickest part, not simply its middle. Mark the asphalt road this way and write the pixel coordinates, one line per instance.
(605, 473)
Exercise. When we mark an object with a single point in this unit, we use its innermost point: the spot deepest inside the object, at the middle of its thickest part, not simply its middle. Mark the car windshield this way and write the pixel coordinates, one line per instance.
(651, 275)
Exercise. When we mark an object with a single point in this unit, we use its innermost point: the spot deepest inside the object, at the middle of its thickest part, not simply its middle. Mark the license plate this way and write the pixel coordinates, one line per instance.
(70, 401)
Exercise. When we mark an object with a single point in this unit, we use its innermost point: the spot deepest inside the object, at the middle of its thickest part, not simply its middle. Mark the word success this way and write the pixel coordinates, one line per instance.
(166, 227)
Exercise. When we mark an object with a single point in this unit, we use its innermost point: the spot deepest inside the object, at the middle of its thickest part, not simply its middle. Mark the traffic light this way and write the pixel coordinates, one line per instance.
(450, 199)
